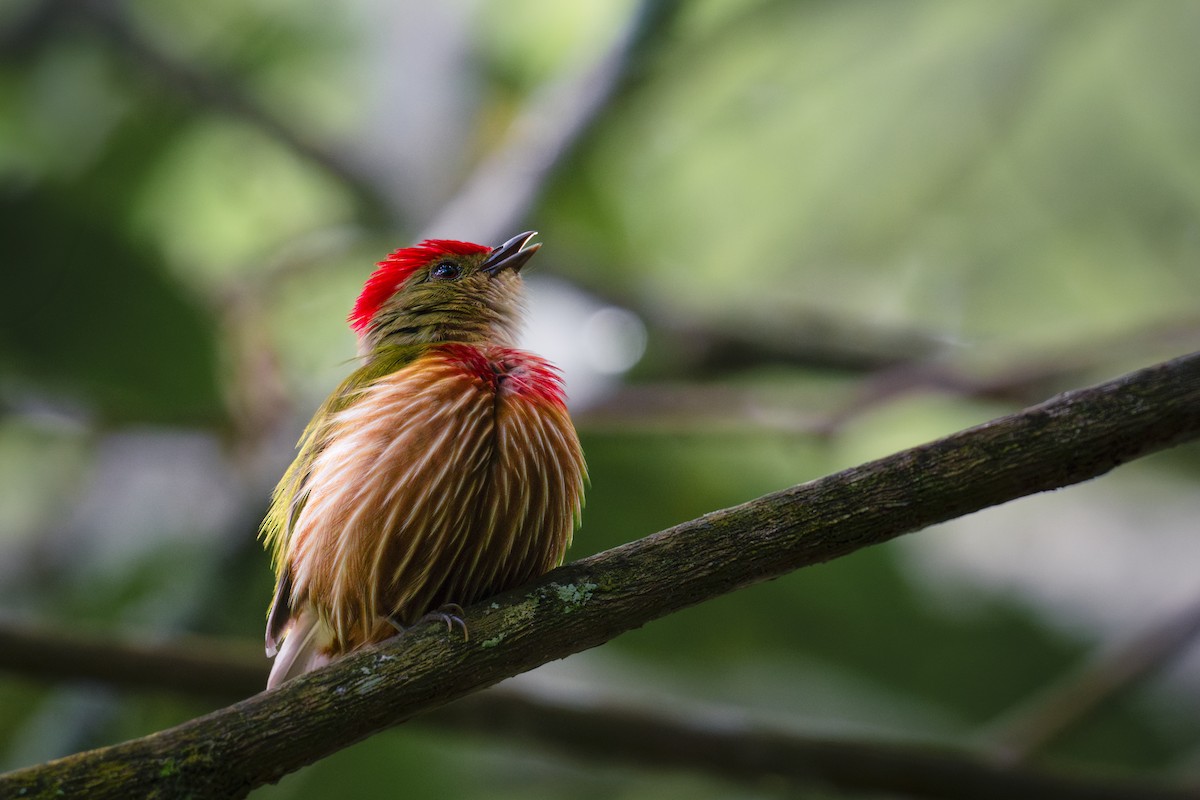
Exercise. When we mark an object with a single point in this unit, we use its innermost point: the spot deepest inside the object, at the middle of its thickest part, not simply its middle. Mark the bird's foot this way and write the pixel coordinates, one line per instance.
(450, 613)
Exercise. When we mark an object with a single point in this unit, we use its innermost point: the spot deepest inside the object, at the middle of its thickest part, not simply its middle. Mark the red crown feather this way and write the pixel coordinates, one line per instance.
(394, 270)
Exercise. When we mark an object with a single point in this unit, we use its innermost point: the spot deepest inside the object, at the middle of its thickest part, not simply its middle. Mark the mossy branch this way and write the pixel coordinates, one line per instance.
(1071, 438)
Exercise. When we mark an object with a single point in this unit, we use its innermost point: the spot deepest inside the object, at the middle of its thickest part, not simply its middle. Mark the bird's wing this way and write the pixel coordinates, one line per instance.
(279, 616)
(291, 494)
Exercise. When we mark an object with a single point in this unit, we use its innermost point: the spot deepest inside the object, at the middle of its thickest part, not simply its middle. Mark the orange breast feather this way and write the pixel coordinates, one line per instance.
(454, 478)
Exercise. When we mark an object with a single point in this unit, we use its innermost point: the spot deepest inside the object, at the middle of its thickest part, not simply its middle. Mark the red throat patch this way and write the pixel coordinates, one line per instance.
(509, 371)
(394, 270)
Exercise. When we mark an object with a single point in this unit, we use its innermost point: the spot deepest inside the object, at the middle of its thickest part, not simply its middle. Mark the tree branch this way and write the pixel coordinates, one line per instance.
(1025, 379)
(734, 746)
(111, 20)
(214, 668)
(1031, 727)
(505, 185)
(1071, 438)
(587, 725)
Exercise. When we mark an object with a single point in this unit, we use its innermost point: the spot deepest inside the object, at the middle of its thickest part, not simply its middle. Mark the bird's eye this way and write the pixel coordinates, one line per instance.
(444, 271)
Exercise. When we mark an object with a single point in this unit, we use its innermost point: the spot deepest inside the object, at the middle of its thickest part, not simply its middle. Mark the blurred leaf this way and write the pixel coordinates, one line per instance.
(88, 314)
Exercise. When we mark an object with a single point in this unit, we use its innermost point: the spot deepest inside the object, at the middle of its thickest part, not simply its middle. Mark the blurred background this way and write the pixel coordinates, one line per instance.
(781, 238)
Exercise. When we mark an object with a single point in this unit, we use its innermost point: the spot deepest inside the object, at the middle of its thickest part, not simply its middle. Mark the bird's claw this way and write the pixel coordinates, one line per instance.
(451, 614)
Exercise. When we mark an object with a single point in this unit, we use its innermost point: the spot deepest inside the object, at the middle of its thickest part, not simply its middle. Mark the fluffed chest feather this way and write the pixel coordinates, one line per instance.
(453, 478)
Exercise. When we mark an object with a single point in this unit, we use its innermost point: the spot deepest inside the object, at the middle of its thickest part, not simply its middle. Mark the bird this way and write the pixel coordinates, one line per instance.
(444, 469)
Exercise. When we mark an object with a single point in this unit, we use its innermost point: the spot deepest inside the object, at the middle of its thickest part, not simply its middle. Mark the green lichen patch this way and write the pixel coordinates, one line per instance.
(573, 595)
(495, 640)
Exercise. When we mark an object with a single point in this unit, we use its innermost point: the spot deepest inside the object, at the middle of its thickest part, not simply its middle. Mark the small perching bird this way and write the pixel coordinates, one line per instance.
(445, 468)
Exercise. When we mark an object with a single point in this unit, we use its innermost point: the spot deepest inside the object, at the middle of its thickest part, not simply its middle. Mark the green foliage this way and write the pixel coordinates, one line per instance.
(1015, 171)
(90, 315)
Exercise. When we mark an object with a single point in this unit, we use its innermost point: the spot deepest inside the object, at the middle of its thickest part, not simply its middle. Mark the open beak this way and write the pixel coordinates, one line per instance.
(512, 254)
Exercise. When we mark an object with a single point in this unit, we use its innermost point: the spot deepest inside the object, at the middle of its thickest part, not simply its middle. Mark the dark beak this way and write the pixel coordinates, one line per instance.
(512, 254)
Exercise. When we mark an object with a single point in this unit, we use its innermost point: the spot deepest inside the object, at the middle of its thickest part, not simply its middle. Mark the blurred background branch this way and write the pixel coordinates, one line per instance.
(506, 185)
(111, 20)
(1030, 728)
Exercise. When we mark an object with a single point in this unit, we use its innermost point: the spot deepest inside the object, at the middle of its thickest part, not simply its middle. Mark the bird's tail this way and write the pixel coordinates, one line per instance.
(304, 649)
